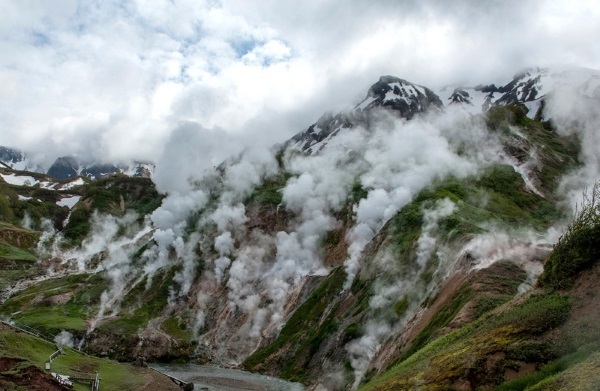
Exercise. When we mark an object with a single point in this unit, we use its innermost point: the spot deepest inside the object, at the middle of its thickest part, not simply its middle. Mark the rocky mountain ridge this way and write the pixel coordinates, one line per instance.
(67, 167)
(527, 89)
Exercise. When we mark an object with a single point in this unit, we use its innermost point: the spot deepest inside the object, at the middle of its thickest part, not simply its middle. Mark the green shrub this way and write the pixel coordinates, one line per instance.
(539, 380)
(490, 302)
(531, 351)
(79, 225)
(358, 192)
(578, 248)
(351, 332)
(269, 193)
(537, 314)
(6, 213)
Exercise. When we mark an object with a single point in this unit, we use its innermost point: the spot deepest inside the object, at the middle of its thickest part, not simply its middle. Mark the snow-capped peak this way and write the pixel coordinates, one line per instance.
(527, 88)
(391, 93)
(400, 95)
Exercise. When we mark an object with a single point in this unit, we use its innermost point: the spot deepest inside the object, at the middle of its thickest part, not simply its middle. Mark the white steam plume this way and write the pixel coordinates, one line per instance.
(405, 157)
(64, 339)
(398, 283)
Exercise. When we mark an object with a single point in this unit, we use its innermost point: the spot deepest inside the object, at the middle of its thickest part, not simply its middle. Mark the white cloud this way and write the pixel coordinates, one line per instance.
(114, 79)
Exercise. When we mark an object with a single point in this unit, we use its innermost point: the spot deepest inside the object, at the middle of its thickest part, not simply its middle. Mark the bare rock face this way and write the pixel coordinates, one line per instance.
(64, 168)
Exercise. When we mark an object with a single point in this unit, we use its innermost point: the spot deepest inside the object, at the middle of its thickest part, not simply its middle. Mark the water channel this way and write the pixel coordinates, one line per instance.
(222, 379)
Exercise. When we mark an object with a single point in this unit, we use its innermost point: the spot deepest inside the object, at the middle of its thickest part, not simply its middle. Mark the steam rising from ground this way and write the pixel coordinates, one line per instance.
(205, 218)
(405, 157)
(239, 278)
(402, 283)
(527, 249)
(64, 339)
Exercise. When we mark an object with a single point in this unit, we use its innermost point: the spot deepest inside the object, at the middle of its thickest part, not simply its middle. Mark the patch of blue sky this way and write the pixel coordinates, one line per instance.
(267, 61)
(40, 38)
(244, 46)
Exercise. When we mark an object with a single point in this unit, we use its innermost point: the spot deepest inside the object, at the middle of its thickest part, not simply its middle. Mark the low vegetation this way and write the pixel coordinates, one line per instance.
(578, 248)
(115, 195)
(141, 304)
(532, 331)
(308, 327)
(63, 303)
(465, 354)
(478, 336)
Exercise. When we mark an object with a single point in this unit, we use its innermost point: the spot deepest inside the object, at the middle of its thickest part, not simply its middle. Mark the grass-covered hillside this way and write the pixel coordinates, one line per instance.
(546, 339)
(431, 290)
(252, 269)
(41, 293)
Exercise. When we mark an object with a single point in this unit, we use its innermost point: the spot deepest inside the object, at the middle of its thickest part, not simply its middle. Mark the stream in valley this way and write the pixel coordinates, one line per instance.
(222, 379)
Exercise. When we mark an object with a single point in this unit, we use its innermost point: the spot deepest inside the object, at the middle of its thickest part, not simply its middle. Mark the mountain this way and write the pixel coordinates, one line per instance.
(67, 167)
(527, 89)
(10, 156)
(418, 240)
(397, 96)
(17, 160)
(64, 168)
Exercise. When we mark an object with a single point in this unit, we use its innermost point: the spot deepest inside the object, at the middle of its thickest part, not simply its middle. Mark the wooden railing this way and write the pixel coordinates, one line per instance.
(27, 330)
(94, 380)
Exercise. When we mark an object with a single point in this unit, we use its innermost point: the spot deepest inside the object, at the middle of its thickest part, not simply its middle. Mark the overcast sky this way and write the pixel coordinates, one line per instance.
(122, 78)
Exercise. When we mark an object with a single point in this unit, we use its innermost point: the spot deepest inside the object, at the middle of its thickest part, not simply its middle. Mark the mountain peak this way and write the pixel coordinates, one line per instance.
(64, 167)
(400, 97)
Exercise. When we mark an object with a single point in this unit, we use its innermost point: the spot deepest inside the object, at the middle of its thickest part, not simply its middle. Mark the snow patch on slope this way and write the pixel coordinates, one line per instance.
(68, 201)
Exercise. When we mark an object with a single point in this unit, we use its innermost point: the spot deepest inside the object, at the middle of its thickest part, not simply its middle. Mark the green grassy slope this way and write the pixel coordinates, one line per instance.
(545, 340)
(36, 351)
